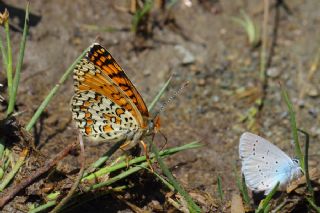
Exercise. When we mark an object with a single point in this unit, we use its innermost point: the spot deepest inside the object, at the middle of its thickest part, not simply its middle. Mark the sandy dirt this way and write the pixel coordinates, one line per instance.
(205, 48)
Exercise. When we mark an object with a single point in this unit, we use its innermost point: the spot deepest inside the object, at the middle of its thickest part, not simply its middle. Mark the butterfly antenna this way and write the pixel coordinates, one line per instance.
(163, 106)
(165, 138)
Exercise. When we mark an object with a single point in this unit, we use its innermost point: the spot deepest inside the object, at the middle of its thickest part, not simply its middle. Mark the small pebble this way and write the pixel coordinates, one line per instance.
(312, 91)
(313, 112)
(147, 72)
(188, 57)
(216, 98)
(201, 82)
(273, 72)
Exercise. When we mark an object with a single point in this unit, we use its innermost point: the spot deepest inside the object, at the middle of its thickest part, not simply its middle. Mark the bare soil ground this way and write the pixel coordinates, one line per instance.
(221, 65)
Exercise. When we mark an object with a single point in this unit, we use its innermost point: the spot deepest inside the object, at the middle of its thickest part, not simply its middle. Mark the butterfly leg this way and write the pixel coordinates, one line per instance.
(124, 148)
(165, 138)
(145, 148)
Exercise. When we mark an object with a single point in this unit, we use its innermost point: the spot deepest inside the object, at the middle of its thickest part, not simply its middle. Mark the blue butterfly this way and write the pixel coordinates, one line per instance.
(264, 164)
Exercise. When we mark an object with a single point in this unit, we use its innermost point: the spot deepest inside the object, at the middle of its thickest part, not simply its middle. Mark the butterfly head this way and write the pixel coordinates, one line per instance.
(153, 125)
(296, 161)
(296, 171)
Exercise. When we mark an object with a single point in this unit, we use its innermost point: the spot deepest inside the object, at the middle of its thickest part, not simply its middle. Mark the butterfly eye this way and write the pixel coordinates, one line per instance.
(296, 161)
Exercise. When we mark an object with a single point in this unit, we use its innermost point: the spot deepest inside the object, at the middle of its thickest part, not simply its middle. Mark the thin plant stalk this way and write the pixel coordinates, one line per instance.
(164, 181)
(242, 187)
(130, 171)
(159, 95)
(244, 190)
(53, 196)
(37, 114)
(136, 160)
(116, 146)
(43, 207)
(52, 93)
(220, 191)
(264, 204)
(294, 128)
(250, 27)
(13, 191)
(9, 60)
(121, 176)
(264, 41)
(103, 158)
(4, 54)
(16, 79)
(306, 166)
(15, 169)
(140, 14)
(191, 204)
(1, 173)
(77, 181)
(2, 147)
(313, 205)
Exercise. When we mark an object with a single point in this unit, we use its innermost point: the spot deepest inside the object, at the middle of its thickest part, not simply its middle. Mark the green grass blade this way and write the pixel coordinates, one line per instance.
(43, 207)
(267, 209)
(244, 191)
(249, 27)
(191, 204)
(16, 79)
(140, 159)
(104, 158)
(114, 148)
(159, 95)
(193, 207)
(121, 176)
(164, 181)
(52, 93)
(313, 205)
(294, 128)
(15, 169)
(264, 204)
(9, 61)
(147, 6)
(263, 53)
(4, 54)
(239, 21)
(2, 147)
(306, 166)
(220, 191)
(242, 187)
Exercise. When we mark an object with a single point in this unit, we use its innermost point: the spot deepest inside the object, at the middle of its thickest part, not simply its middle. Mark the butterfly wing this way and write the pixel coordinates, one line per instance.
(100, 119)
(106, 104)
(264, 164)
(102, 59)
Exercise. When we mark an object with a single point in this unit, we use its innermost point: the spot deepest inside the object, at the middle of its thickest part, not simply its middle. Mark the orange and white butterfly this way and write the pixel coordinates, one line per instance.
(106, 106)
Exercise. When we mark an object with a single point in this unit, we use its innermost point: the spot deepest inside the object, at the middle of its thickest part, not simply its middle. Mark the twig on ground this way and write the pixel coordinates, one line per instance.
(15, 189)
(77, 181)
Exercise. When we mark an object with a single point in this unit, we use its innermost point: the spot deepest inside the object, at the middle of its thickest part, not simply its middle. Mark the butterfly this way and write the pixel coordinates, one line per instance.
(264, 164)
(106, 106)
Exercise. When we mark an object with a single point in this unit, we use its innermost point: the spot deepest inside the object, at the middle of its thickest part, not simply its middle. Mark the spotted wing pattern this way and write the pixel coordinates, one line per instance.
(101, 58)
(100, 118)
(264, 164)
(106, 105)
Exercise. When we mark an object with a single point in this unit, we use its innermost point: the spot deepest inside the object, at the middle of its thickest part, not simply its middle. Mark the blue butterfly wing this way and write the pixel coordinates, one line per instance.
(264, 164)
